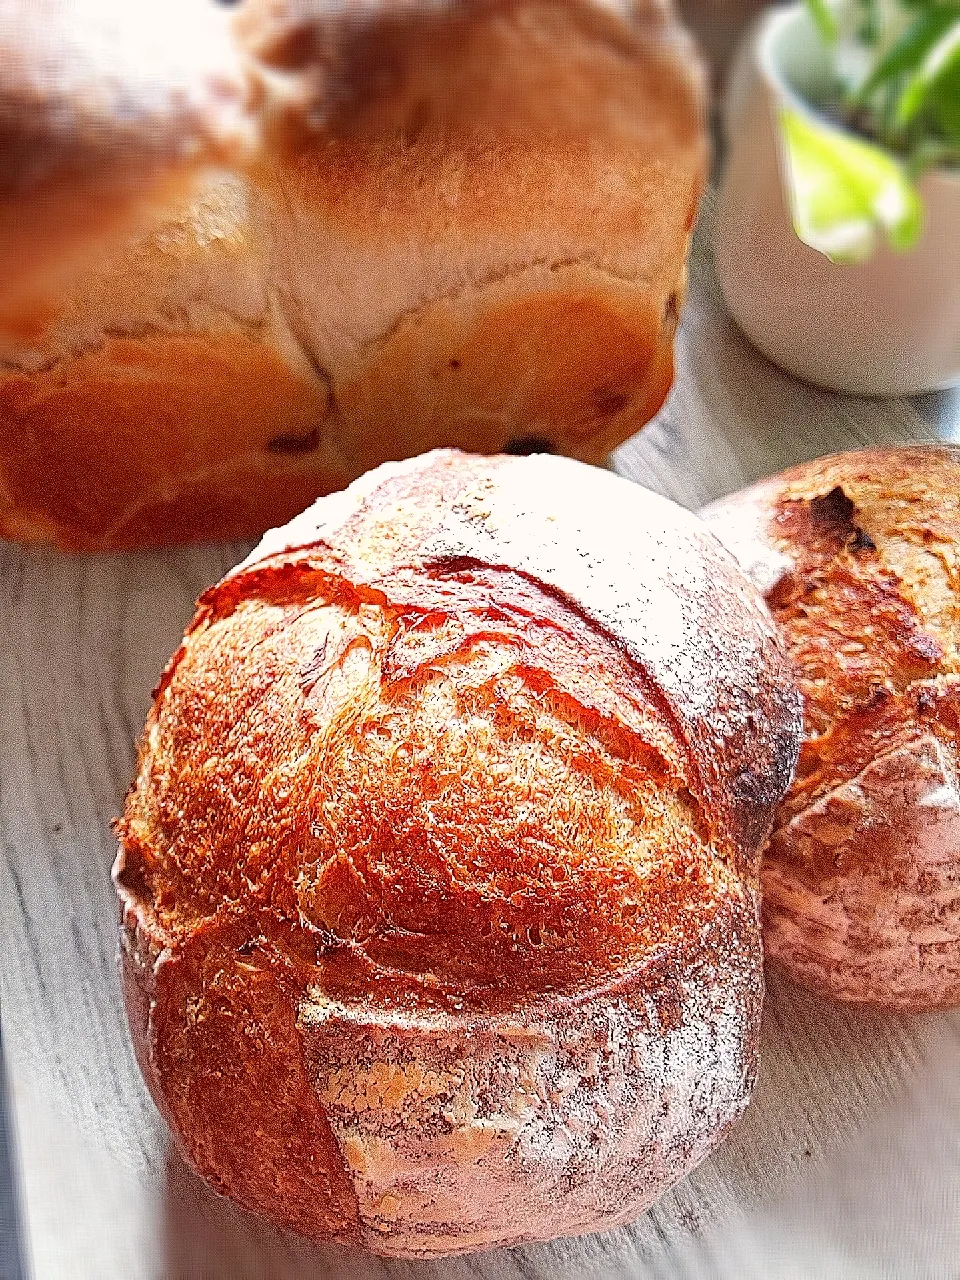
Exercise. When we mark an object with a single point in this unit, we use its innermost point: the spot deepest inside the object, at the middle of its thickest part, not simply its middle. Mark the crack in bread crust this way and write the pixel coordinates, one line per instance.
(357, 710)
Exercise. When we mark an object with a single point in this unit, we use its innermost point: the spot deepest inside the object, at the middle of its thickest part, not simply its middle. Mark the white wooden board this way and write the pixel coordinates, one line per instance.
(847, 1163)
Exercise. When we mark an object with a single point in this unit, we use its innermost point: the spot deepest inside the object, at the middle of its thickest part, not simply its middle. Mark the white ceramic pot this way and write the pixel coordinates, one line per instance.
(888, 326)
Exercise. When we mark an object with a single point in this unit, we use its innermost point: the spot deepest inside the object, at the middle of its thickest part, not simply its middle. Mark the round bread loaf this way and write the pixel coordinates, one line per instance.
(859, 558)
(439, 877)
(468, 227)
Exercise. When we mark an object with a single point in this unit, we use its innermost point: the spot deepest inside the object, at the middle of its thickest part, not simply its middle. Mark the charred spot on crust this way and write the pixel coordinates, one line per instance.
(832, 509)
(523, 445)
(671, 310)
(294, 445)
(833, 512)
(454, 363)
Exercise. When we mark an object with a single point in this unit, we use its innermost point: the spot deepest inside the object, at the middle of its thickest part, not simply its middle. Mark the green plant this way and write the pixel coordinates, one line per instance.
(894, 82)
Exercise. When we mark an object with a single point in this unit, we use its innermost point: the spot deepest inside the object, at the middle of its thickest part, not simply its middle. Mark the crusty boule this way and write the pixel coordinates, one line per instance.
(859, 558)
(439, 877)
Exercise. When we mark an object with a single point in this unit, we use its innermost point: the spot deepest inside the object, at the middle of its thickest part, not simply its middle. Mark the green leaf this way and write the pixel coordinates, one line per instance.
(931, 154)
(945, 105)
(939, 63)
(825, 19)
(871, 22)
(904, 54)
(845, 192)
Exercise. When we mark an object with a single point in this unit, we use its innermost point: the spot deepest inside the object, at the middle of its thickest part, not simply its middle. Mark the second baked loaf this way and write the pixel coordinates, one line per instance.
(480, 241)
(859, 557)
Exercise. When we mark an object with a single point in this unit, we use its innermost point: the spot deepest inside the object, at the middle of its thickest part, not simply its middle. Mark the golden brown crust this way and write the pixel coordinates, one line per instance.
(861, 877)
(158, 480)
(429, 772)
(106, 112)
(511, 278)
(495, 69)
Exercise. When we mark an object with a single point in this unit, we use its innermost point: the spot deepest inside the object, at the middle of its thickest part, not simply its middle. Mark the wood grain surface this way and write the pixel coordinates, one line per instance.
(847, 1163)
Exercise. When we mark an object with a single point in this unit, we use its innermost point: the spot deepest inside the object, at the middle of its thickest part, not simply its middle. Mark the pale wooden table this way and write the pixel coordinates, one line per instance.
(847, 1163)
